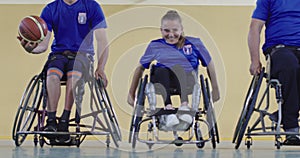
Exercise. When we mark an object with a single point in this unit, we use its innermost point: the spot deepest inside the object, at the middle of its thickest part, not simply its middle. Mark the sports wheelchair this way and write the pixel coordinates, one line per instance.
(156, 117)
(261, 126)
(102, 118)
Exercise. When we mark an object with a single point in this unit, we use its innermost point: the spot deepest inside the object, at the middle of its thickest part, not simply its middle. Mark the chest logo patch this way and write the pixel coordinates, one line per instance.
(82, 18)
(187, 49)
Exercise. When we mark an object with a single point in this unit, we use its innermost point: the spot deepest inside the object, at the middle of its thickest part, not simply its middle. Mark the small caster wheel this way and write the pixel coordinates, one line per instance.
(178, 142)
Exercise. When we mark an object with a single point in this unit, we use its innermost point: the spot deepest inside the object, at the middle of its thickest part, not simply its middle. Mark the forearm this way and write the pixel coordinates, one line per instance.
(102, 48)
(253, 45)
(39, 49)
(43, 46)
(102, 58)
(254, 39)
(212, 76)
(135, 80)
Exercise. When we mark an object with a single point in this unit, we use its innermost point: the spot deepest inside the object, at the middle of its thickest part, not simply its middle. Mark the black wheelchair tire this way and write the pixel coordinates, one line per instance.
(108, 113)
(138, 112)
(111, 112)
(247, 109)
(34, 87)
(210, 111)
(215, 128)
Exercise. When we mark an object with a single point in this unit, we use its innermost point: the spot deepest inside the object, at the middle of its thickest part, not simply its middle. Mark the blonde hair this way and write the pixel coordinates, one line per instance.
(173, 15)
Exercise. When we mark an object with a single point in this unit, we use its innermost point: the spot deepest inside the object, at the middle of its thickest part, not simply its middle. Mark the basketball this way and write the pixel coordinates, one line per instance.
(33, 29)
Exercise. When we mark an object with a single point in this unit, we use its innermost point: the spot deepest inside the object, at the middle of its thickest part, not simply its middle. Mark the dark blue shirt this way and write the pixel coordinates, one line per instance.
(168, 55)
(73, 25)
(282, 19)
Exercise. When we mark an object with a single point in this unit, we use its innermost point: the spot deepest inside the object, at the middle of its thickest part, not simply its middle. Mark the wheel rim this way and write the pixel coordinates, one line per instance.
(27, 110)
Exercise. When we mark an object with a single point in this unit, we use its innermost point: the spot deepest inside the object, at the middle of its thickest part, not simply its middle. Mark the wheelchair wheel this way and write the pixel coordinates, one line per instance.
(248, 108)
(27, 109)
(208, 106)
(214, 129)
(137, 112)
(111, 118)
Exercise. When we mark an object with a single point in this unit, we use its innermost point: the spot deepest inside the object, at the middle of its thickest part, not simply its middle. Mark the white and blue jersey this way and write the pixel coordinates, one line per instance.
(168, 55)
(282, 19)
(73, 25)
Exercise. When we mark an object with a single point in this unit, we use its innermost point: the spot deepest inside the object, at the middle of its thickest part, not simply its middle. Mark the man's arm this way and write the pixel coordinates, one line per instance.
(102, 53)
(34, 47)
(254, 45)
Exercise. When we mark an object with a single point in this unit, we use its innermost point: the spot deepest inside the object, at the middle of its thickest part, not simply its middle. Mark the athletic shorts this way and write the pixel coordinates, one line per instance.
(65, 66)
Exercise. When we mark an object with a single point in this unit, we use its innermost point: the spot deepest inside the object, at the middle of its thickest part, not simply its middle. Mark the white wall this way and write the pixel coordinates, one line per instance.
(148, 2)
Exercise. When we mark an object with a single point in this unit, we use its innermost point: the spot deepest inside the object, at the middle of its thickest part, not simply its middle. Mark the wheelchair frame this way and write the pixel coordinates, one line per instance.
(251, 106)
(35, 94)
(153, 127)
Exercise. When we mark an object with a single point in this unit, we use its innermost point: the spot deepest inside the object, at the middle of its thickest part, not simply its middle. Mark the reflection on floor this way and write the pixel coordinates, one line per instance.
(91, 149)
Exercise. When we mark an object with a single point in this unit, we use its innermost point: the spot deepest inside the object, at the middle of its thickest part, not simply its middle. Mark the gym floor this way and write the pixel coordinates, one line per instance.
(97, 149)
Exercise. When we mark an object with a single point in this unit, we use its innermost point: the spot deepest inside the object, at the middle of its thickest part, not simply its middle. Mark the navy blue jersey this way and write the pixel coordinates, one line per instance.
(168, 55)
(282, 19)
(73, 25)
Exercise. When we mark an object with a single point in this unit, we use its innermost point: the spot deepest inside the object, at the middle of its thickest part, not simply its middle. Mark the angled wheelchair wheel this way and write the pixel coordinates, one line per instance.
(215, 130)
(110, 115)
(210, 114)
(27, 109)
(137, 112)
(249, 105)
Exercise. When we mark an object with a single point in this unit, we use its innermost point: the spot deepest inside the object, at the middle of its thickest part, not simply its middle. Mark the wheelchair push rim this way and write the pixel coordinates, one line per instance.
(108, 113)
(111, 111)
(27, 109)
(137, 112)
(248, 108)
(208, 106)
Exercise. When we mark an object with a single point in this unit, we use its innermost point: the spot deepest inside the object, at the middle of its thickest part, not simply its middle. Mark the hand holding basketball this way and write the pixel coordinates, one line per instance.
(32, 30)
(28, 46)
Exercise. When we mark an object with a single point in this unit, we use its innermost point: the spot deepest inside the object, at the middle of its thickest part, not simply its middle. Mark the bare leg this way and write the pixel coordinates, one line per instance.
(71, 82)
(53, 89)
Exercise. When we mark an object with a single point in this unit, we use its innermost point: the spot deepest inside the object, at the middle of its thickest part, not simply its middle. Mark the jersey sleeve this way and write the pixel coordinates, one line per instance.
(147, 57)
(47, 17)
(202, 53)
(262, 10)
(97, 15)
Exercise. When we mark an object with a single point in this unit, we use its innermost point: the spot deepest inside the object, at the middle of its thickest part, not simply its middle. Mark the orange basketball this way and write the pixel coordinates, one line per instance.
(33, 29)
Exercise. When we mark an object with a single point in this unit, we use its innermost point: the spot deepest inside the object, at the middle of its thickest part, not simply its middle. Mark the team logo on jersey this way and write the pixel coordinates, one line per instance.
(187, 49)
(82, 18)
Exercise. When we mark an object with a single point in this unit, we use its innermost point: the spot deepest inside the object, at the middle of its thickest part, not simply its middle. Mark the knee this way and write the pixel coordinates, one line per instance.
(53, 79)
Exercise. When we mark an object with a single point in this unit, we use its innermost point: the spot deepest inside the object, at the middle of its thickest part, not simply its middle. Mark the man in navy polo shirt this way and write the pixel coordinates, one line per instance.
(282, 39)
(73, 22)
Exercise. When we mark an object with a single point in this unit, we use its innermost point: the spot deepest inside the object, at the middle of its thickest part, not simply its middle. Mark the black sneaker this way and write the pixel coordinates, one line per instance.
(50, 127)
(63, 126)
(292, 140)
